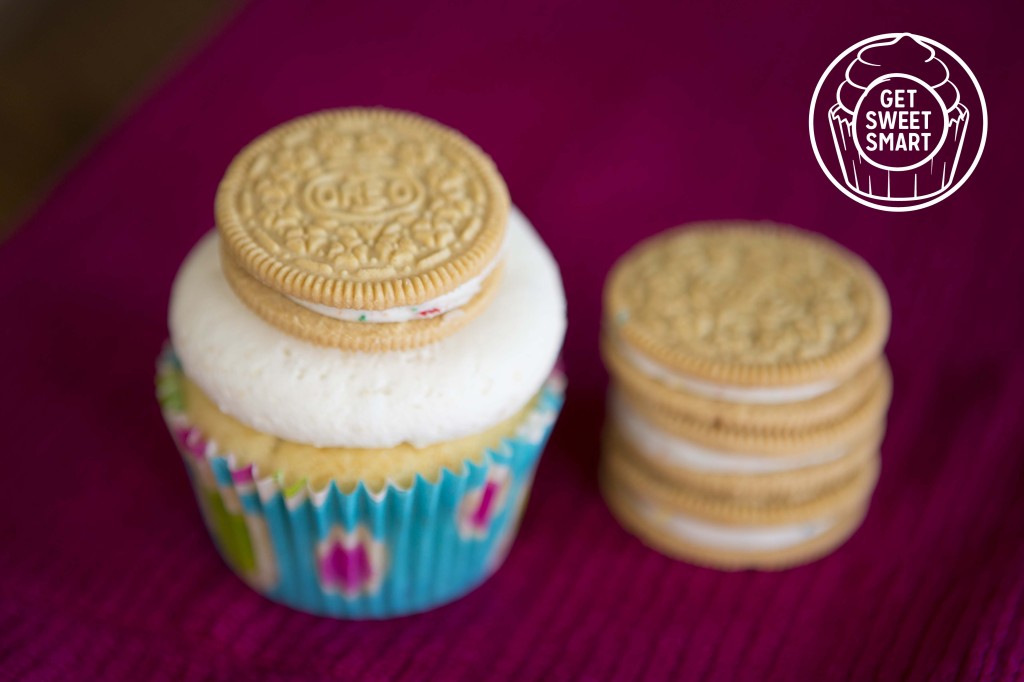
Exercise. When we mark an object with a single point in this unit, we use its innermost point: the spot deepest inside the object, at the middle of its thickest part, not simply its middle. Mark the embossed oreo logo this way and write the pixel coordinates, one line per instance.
(898, 122)
(358, 196)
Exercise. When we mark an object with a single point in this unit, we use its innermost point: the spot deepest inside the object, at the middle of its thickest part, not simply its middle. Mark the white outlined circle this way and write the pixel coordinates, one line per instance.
(839, 183)
(931, 91)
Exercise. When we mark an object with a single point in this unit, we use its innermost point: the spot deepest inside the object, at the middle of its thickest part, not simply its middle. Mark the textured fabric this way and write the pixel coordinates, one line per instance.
(609, 124)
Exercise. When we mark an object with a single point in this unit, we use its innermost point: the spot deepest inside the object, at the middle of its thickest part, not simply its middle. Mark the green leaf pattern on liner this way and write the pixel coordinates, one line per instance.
(230, 532)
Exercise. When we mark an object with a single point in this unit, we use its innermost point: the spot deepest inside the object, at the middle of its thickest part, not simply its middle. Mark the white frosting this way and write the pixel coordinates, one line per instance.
(729, 537)
(672, 449)
(445, 303)
(725, 392)
(461, 385)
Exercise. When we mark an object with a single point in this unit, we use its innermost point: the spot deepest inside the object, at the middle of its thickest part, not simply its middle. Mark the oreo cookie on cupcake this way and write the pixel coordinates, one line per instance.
(362, 372)
(749, 393)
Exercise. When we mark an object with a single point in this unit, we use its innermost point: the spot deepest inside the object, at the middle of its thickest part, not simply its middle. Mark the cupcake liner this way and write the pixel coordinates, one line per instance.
(909, 185)
(362, 554)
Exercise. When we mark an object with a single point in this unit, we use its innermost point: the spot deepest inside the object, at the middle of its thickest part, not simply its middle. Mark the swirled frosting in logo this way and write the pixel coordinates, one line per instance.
(363, 209)
(902, 54)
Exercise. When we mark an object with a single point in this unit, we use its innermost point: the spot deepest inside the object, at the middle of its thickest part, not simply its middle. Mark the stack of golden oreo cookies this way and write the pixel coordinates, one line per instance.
(749, 393)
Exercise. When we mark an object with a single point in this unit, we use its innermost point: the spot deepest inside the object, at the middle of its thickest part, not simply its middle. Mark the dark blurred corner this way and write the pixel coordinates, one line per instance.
(66, 68)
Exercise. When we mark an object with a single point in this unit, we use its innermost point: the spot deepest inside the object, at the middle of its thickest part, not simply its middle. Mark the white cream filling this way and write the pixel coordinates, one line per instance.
(728, 537)
(671, 449)
(445, 303)
(725, 392)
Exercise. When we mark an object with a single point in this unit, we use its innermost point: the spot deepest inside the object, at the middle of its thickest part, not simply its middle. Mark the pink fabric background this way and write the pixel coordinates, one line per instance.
(609, 124)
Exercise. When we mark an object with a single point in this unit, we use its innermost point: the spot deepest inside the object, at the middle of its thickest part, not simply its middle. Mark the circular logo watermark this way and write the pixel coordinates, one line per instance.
(898, 122)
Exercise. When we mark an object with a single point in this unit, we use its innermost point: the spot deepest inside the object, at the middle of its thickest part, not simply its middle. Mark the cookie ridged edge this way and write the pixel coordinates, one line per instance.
(782, 441)
(369, 337)
(796, 484)
(728, 560)
(828, 407)
(617, 466)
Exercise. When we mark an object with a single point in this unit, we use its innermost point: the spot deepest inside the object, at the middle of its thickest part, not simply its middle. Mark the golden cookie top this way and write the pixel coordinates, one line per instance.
(747, 304)
(364, 209)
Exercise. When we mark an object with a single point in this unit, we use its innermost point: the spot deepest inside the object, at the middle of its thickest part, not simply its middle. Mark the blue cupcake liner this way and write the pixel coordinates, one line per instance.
(362, 554)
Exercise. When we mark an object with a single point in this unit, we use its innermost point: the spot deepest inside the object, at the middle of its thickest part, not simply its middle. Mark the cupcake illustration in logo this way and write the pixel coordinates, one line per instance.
(898, 122)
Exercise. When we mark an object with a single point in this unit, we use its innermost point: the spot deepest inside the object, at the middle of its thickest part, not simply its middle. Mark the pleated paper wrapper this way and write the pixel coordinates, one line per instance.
(362, 554)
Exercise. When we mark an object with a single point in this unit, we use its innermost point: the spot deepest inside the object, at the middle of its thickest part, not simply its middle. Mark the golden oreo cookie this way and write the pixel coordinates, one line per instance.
(363, 217)
(653, 527)
(729, 534)
(756, 509)
(742, 477)
(304, 323)
(826, 408)
(847, 428)
(746, 312)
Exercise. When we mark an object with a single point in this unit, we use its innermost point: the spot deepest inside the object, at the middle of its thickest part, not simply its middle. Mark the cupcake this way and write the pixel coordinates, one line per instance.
(362, 368)
(898, 123)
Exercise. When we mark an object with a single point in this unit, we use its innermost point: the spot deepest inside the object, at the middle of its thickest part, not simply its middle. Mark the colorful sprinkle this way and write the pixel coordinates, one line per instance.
(351, 562)
(295, 488)
(244, 475)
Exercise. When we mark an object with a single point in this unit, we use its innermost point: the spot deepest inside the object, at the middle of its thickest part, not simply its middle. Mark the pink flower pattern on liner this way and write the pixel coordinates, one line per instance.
(350, 564)
(480, 506)
(346, 568)
(191, 441)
